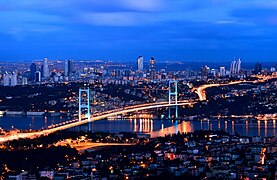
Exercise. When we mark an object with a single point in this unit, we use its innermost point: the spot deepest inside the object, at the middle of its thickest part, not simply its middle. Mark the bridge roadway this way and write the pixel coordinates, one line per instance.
(99, 116)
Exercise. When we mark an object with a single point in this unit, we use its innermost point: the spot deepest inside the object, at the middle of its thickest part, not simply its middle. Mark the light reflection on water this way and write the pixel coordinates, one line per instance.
(153, 127)
(161, 127)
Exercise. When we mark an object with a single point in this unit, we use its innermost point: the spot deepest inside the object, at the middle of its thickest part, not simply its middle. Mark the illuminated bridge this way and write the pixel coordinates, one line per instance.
(103, 115)
(77, 122)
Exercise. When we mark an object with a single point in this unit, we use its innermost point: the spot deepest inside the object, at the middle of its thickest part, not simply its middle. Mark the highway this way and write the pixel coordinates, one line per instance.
(201, 89)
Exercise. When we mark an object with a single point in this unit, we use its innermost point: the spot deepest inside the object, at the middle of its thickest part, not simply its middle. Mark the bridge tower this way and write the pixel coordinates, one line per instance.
(84, 102)
(173, 97)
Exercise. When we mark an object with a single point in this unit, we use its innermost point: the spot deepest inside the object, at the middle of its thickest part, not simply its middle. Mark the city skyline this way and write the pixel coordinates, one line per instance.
(121, 30)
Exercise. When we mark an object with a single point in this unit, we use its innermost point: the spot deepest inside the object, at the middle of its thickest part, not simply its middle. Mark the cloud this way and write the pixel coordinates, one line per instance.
(257, 15)
(140, 25)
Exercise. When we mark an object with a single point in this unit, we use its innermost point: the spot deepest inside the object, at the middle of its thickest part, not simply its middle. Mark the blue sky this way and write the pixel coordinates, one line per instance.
(213, 30)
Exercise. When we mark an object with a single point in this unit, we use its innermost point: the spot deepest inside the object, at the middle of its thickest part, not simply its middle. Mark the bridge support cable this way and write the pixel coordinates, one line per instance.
(173, 97)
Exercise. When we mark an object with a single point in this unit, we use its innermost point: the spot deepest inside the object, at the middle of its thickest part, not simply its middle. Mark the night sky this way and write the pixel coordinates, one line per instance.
(213, 30)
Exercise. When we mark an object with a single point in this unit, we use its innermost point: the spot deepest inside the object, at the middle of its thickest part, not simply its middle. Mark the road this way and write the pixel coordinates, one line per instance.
(201, 89)
(82, 146)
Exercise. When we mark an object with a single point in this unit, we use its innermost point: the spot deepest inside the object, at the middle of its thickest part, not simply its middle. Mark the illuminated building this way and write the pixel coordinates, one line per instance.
(235, 67)
(14, 79)
(38, 76)
(6, 78)
(222, 71)
(152, 68)
(68, 68)
(45, 69)
(140, 63)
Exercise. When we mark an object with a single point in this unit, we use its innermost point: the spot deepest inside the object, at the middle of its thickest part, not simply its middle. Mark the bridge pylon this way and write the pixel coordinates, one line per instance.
(173, 97)
(84, 102)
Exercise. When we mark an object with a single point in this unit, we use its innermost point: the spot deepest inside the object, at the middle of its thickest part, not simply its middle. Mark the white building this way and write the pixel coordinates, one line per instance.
(235, 67)
(24, 81)
(45, 69)
(38, 76)
(14, 79)
(140, 63)
(222, 71)
(6, 78)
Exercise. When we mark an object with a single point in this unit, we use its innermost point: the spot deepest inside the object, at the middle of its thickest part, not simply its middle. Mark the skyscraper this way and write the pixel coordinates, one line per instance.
(222, 71)
(204, 71)
(152, 68)
(258, 68)
(68, 67)
(14, 79)
(33, 69)
(235, 67)
(24, 81)
(6, 78)
(45, 69)
(140, 63)
(38, 76)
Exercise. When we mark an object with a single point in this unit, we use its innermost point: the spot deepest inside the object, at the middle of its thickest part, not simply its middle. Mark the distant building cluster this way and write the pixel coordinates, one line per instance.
(57, 71)
(38, 72)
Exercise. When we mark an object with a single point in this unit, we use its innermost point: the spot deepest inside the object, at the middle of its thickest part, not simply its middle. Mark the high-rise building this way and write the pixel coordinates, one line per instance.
(45, 69)
(6, 78)
(152, 68)
(222, 71)
(33, 69)
(204, 71)
(258, 68)
(68, 67)
(24, 81)
(140, 63)
(38, 76)
(235, 67)
(14, 79)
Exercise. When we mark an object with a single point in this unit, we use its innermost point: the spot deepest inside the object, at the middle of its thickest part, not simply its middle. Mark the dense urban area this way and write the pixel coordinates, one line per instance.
(54, 88)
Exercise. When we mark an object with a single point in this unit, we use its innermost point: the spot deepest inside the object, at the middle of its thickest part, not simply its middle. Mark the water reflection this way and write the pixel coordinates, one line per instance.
(162, 127)
(259, 128)
(181, 127)
(153, 127)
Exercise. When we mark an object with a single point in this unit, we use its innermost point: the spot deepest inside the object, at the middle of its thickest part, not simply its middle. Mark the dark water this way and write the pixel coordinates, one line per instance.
(28, 122)
(162, 127)
(153, 127)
